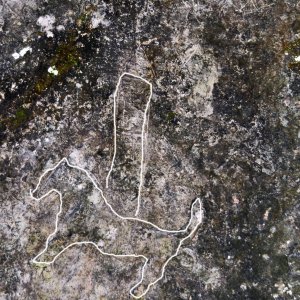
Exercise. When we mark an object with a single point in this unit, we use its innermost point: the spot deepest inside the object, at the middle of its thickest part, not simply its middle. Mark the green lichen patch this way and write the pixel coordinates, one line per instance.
(172, 118)
(20, 117)
(65, 58)
(171, 115)
(293, 49)
(64, 55)
(83, 22)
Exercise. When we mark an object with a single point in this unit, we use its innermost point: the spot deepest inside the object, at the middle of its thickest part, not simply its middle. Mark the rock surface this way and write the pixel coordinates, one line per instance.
(223, 126)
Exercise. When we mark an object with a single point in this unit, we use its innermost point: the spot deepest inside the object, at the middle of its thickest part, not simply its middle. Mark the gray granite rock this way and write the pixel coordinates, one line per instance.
(223, 125)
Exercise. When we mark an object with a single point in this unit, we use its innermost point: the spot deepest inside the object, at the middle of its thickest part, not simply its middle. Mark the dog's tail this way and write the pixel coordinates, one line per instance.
(196, 217)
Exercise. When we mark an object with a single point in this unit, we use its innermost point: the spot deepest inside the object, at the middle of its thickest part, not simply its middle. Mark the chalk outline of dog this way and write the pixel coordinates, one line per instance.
(199, 217)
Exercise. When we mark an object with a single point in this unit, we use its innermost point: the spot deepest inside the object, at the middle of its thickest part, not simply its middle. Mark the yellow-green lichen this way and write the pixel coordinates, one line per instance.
(64, 59)
(171, 115)
(66, 56)
(293, 48)
(20, 117)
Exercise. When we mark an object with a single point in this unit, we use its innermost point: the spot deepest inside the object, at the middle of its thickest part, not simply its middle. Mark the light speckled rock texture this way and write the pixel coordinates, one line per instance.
(223, 126)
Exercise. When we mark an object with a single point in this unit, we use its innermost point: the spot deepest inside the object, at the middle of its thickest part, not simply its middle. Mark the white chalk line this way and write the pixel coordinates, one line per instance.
(142, 134)
(199, 218)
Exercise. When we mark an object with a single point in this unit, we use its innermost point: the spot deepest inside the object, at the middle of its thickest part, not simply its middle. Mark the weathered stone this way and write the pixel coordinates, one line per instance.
(223, 126)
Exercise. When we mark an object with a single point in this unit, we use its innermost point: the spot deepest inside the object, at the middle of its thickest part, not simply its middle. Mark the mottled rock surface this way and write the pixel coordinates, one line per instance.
(223, 126)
